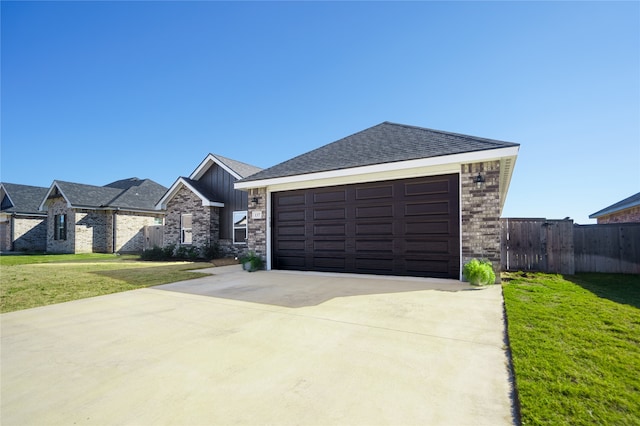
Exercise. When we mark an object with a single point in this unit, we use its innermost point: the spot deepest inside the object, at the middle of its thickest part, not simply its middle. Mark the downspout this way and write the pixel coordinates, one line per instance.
(113, 231)
(12, 232)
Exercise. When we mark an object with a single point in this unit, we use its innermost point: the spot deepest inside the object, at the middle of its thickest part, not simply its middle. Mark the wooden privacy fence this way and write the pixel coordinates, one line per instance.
(559, 246)
(153, 236)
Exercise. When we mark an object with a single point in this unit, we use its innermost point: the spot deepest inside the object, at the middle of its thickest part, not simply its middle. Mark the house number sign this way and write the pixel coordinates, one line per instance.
(257, 214)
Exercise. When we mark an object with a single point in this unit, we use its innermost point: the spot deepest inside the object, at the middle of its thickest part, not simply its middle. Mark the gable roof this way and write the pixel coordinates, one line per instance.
(129, 194)
(206, 196)
(237, 169)
(22, 199)
(627, 203)
(385, 143)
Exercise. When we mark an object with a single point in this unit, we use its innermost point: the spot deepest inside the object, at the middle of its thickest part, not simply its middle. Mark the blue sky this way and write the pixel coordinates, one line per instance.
(93, 92)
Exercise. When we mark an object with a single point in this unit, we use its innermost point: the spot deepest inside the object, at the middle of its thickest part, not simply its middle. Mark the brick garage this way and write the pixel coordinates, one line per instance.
(386, 155)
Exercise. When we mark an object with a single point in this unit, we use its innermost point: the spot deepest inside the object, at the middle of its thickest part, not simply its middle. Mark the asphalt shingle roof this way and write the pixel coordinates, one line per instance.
(25, 198)
(243, 169)
(133, 193)
(385, 143)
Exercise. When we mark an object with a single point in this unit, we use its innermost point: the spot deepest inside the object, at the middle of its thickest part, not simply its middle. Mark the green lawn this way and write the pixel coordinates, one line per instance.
(575, 342)
(37, 280)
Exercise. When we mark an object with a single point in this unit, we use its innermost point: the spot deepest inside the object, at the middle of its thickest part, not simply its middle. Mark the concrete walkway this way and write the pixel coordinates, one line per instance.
(277, 348)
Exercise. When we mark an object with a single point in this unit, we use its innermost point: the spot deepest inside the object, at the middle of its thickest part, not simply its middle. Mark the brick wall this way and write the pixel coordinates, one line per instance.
(481, 213)
(257, 228)
(5, 234)
(29, 233)
(59, 206)
(93, 232)
(130, 230)
(205, 221)
(631, 215)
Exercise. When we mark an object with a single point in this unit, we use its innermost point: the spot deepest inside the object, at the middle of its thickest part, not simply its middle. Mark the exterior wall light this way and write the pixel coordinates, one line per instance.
(255, 200)
(479, 180)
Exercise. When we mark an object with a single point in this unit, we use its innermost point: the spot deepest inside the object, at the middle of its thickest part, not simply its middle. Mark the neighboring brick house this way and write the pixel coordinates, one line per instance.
(204, 209)
(625, 211)
(390, 200)
(100, 219)
(22, 226)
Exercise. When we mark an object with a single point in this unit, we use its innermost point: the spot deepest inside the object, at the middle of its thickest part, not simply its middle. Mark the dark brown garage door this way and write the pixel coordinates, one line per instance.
(401, 227)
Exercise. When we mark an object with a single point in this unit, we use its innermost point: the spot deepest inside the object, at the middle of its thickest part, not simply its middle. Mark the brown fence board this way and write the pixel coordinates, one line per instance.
(153, 236)
(613, 248)
(559, 246)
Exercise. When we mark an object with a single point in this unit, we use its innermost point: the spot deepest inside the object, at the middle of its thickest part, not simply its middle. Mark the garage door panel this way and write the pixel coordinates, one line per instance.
(369, 212)
(330, 214)
(291, 230)
(428, 208)
(295, 245)
(434, 187)
(290, 216)
(330, 197)
(373, 229)
(442, 227)
(432, 266)
(374, 246)
(329, 229)
(374, 192)
(427, 247)
(368, 265)
(291, 200)
(402, 227)
(329, 263)
(329, 245)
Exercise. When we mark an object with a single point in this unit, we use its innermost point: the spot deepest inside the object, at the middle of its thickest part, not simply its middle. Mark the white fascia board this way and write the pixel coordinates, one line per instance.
(206, 164)
(436, 165)
(162, 204)
(46, 197)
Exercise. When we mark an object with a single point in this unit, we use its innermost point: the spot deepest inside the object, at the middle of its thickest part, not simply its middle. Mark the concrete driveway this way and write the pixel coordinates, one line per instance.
(277, 348)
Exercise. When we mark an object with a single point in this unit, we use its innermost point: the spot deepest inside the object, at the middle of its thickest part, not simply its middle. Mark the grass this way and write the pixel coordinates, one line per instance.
(32, 281)
(575, 343)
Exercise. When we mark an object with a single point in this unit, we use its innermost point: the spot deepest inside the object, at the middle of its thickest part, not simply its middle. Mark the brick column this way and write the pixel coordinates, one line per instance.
(481, 213)
(257, 227)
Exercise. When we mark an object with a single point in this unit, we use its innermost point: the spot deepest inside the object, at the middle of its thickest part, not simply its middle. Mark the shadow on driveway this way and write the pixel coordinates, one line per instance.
(292, 289)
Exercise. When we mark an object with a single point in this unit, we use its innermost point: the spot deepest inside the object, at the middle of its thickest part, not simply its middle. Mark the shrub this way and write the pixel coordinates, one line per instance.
(156, 253)
(251, 262)
(168, 251)
(211, 251)
(479, 272)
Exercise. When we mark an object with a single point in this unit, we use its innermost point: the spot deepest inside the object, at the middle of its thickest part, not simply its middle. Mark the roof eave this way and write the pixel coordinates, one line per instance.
(173, 190)
(461, 158)
(206, 165)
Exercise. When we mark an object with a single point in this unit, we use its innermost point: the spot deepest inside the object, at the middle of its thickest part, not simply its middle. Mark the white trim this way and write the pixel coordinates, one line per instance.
(460, 220)
(44, 201)
(177, 185)
(206, 165)
(455, 159)
(268, 236)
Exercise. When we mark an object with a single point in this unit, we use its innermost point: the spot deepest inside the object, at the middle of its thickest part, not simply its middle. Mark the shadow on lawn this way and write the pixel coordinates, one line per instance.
(619, 288)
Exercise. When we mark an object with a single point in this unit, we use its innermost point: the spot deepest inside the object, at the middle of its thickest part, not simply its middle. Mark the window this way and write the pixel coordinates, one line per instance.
(60, 227)
(186, 236)
(239, 227)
